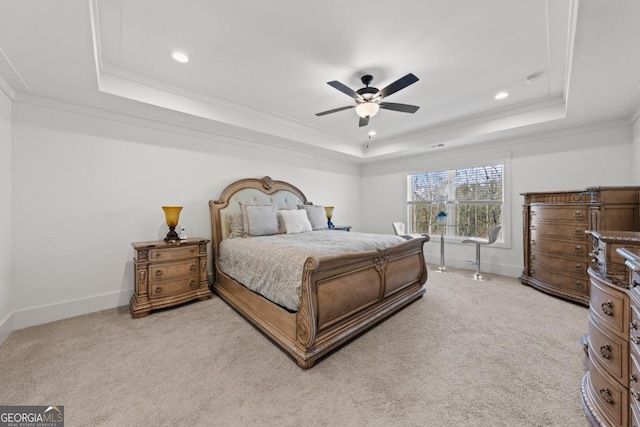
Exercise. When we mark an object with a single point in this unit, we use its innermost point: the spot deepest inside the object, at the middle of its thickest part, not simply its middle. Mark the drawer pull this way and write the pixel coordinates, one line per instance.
(533, 227)
(606, 395)
(633, 377)
(578, 232)
(533, 242)
(579, 285)
(533, 256)
(578, 267)
(158, 273)
(634, 283)
(578, 250)
(634, 324)
(635, 394)
(607, 308)
(158, 254)
(193, 283)
(158, 290)
(533, 213)
(193, 250)
(578, 214)
(634, 339)
(605, 351)
(193, 267)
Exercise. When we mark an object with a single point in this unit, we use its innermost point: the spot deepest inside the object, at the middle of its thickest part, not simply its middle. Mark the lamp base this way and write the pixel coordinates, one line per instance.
(172, 235)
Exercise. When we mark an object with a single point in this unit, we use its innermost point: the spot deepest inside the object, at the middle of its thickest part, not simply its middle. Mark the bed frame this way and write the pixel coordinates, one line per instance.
(342, 296)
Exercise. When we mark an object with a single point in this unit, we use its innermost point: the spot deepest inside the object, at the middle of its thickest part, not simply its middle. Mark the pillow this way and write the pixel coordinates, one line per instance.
(282, 229)
(236, 225)
(317, 216)
(260, 220)
(296, 221)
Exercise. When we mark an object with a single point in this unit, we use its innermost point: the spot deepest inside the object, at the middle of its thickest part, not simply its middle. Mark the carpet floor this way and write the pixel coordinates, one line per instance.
(492, 353)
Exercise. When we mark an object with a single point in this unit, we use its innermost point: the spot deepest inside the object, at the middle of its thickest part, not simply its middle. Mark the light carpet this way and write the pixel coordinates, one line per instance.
(492, 353)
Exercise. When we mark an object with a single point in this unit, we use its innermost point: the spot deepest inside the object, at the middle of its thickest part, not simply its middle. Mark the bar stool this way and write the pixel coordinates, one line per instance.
(478, 241)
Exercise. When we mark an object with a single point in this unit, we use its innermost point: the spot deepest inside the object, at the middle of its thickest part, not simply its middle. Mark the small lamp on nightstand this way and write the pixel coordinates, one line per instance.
(329, 212)
(172, 214)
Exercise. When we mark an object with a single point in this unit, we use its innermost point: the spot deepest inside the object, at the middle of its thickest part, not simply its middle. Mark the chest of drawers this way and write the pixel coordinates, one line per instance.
(556, 245)
(169, 273)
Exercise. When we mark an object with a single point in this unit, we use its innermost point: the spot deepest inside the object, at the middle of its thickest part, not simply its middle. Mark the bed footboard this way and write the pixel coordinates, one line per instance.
(342, 297)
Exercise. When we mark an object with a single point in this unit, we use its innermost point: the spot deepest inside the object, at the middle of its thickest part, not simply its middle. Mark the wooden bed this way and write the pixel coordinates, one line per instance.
(341, 296)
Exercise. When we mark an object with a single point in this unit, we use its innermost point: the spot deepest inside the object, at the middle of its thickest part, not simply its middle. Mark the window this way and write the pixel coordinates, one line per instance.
(460, 202)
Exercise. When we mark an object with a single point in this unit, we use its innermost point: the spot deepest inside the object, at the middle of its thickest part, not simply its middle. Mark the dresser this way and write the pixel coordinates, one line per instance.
(556, 245)
(169, 273)
(609, 388)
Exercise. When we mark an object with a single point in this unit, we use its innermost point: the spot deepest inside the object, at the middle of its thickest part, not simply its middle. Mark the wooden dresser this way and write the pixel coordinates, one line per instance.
(169, 273)
(609, 388)
(555, 240)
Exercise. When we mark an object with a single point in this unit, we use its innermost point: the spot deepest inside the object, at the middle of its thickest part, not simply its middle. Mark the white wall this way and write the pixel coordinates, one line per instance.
(6, 320)
(574, 159)
(86, 187)
(636, 149)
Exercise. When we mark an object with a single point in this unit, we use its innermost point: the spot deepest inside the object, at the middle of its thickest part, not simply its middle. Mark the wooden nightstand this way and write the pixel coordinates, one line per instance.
(341, 228)
(169, 273)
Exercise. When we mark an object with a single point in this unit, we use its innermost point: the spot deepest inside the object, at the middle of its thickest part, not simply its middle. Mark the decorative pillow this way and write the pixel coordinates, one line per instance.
(317, 216)
(260, 220)
(236, 225)
(282, 229)
(296, 221)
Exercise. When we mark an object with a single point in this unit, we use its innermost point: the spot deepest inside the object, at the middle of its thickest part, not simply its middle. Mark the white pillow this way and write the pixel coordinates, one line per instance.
(260, 220)
(296, 221)
(317, 216)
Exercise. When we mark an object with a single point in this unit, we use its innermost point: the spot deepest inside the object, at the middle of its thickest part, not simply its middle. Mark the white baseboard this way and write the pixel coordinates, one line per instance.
(6, 327)
(64, 310)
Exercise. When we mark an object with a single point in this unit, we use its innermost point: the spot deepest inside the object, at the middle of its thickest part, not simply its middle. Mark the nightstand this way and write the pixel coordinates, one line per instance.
(341, 228)
(168, 274)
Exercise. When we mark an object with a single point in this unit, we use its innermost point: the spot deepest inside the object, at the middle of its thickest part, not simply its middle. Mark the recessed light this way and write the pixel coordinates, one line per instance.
(180, 57)
(501, 95)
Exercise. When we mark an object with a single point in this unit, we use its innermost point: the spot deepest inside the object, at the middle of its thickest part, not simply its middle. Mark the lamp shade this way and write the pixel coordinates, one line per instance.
(367, 109)
(172, 214)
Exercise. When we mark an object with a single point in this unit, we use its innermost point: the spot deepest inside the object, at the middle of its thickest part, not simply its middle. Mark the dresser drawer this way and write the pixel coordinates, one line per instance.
(574, 232)
(634, 285)
(610, 306)
(173, 253)
(609, 350)
(169, 270)
(560, 213)
(577, 284)
(560, 247)
(634, 378)
(610, 398)
(539, 260)
(163, 288)
(634, 328)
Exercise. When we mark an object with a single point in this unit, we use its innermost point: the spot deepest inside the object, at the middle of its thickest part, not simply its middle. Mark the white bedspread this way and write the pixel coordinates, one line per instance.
(272, 265)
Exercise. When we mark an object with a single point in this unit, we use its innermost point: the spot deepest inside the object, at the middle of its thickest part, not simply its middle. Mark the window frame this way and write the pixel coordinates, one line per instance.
(504, 240)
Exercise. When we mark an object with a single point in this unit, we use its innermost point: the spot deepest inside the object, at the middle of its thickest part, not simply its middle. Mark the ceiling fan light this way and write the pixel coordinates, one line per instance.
(367, 109)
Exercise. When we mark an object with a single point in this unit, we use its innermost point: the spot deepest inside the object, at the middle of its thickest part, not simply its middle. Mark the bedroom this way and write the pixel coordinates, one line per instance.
(79, 184)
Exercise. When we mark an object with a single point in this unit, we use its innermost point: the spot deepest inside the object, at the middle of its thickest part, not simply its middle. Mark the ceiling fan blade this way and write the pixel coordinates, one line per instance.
(345, 89)
(335, 110)
(403, 108)
(364, 121)
(401, 83)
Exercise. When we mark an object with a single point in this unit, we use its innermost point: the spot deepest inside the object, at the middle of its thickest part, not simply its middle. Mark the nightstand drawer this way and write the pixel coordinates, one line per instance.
(164, 271)
(173, 253)
(161, 289)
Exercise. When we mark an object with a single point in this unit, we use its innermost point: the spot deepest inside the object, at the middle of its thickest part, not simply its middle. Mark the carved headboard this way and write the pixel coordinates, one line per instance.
(250, 190)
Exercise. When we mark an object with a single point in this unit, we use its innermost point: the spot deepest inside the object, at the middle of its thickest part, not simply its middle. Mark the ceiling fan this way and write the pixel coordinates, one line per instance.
(368, 99)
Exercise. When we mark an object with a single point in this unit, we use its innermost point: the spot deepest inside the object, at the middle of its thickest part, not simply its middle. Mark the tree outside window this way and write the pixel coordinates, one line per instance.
(471, 200)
